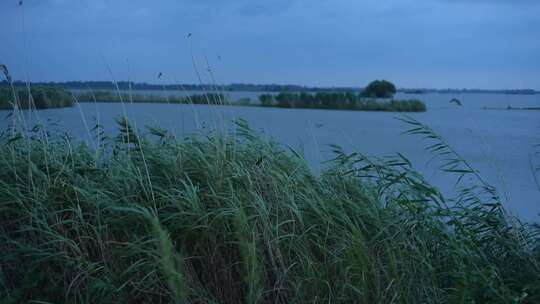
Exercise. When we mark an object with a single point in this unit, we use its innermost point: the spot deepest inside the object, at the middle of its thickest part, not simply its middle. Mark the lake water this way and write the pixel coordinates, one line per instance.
(499, 143)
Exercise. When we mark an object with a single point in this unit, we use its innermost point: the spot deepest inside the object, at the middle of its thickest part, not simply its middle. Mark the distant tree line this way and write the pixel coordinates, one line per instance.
(286, 88)
(520, 92)
(125, 85)
(241, 87)
(339, 101)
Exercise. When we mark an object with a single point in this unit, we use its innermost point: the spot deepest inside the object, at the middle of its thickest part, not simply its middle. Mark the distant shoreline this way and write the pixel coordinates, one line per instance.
(240, 87)
(509, 108)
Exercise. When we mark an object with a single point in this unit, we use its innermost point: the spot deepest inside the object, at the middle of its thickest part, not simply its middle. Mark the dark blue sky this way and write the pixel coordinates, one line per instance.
(414, 43)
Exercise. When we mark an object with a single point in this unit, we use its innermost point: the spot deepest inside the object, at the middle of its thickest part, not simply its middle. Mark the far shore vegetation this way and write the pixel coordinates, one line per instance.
(40, 97)
(123, 96)
(514, 108)
(43, 97)
(321, 100)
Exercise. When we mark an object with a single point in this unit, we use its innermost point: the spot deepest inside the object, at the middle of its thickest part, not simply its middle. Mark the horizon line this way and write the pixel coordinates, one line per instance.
(161, 85)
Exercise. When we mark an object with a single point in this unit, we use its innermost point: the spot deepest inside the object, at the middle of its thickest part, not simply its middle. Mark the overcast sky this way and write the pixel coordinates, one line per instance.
(414, 43)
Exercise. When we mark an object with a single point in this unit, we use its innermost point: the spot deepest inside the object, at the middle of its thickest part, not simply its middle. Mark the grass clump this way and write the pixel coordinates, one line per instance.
(122, 96)
(339, 101)
(236, 218)
(40, 97)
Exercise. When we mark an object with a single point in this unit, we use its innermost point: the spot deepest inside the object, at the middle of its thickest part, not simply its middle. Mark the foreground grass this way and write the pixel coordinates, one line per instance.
(41, 97)
(235, 218)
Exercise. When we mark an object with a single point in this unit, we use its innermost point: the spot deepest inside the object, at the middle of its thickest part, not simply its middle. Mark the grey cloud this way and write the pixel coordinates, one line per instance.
(438, 43)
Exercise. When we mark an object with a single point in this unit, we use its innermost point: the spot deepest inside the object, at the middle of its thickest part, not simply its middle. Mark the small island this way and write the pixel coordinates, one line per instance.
(340, 101)
(377, 96)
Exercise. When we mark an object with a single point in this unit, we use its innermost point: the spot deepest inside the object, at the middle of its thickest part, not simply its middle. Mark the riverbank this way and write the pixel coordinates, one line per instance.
(219, 218)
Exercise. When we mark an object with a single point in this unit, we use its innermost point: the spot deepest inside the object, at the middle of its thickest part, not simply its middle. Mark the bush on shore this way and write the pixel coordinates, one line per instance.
(238, 219)
(379, 89)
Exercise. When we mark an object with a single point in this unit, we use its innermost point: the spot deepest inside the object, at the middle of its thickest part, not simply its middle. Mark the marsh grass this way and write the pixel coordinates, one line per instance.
(340, 101)
(40, 97)
(237, 218)
(119, 96)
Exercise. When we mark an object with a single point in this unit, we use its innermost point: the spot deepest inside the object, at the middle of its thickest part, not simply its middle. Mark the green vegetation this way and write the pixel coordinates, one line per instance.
(41, 98)
(110, 96)
(379, 89)
(339, 101)
(238, 219)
